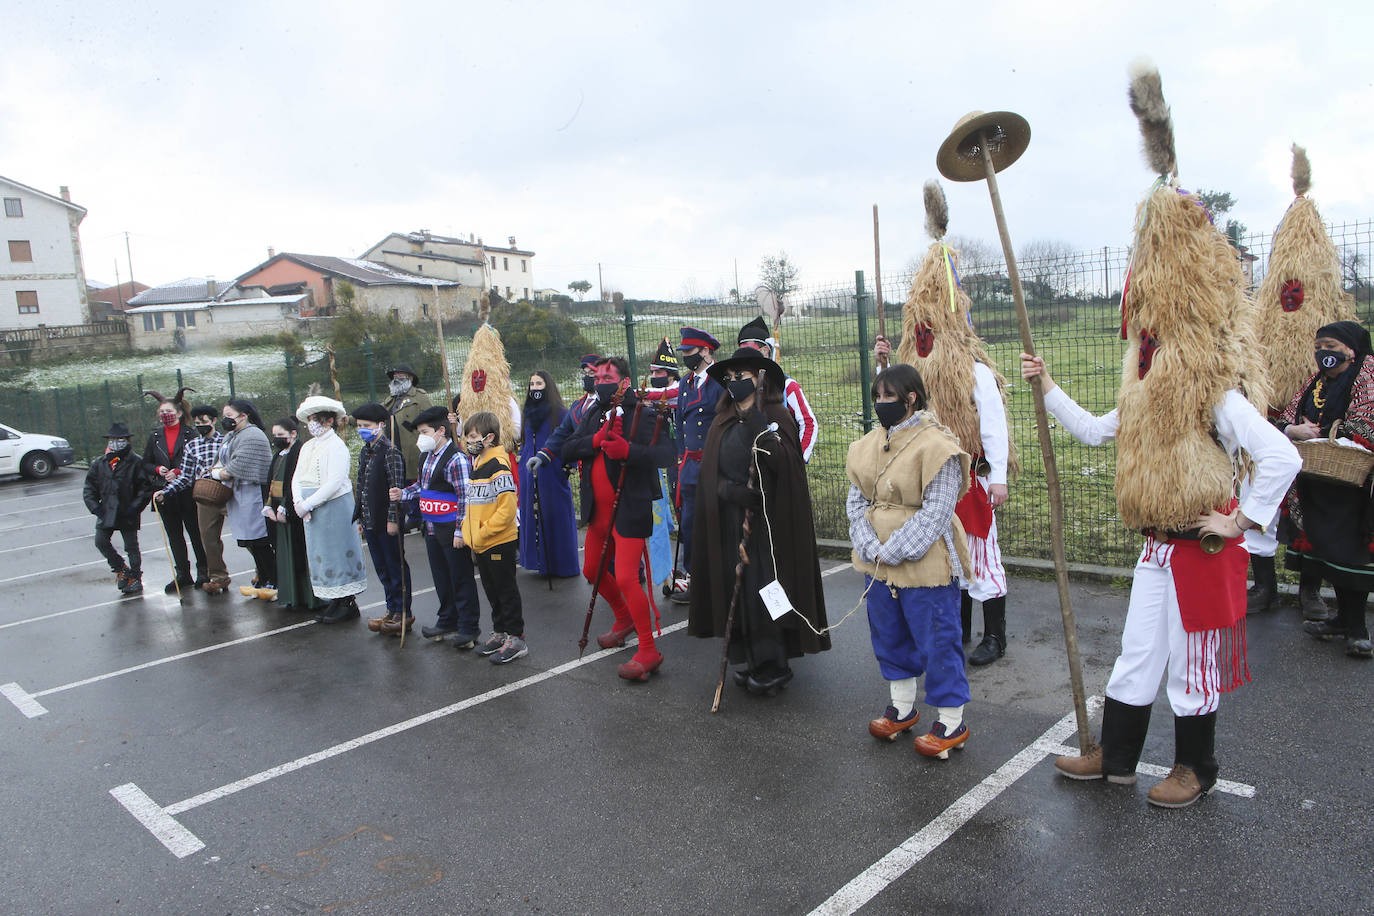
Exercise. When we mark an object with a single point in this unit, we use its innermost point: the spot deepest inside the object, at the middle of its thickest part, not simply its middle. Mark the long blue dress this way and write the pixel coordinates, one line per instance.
(558, 522)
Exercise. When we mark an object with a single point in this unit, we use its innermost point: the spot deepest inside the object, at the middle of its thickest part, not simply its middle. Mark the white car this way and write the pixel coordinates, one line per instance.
(32, 454)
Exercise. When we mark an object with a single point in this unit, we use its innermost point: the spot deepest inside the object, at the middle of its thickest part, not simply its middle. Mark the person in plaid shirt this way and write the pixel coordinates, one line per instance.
(380, 468)
(202, 454)
(441, 491)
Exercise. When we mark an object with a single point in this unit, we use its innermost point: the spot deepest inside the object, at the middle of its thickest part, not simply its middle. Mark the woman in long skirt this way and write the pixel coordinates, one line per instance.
(245, 460)
(293, 574)
(322, 494)
(548, 541)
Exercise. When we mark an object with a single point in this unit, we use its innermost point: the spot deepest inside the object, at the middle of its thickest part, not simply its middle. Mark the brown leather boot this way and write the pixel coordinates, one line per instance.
(1081, 766)
(392, 626)
(1178, 790)
(375, 624)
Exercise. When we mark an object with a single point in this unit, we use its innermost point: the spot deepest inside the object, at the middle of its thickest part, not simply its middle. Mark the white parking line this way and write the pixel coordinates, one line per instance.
(874, 879)
(62, 569)
(80, 537)
(9, 511)
(90, 607)
(56, 521)
(45, 494)
(161, 822)
(834, 569)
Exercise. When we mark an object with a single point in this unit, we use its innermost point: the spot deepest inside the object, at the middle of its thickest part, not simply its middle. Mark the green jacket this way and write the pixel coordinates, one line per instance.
(405, 409)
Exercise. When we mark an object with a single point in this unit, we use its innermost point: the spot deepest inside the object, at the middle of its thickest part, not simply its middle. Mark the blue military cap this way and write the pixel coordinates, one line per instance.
(696, 337)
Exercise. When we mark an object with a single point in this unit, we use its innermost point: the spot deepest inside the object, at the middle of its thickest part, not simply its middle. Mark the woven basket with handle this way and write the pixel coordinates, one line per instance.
(1328, 460)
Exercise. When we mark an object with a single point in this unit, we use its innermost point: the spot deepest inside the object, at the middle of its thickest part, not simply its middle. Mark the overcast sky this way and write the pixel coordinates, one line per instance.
(667, 141)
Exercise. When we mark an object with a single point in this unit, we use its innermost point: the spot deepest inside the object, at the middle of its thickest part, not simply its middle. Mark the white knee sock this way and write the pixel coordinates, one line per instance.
(903, 695)
(951, 717)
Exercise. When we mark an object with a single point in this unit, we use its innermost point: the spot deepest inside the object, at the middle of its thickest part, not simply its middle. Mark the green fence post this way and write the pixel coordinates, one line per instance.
(180, 385)
(81, 412)
(231, 379)
(865, 372)
(57, 414)
(371, 380)
(630, 339)
(109, 405)
(290, 382)
(138, 399)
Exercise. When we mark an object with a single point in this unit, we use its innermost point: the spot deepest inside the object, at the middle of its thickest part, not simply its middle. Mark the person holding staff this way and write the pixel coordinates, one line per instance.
(548, 544)
(754, 429)
(905, 478)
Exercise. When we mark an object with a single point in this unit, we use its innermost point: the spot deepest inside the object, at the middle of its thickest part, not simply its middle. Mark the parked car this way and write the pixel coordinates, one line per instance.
(32, 454)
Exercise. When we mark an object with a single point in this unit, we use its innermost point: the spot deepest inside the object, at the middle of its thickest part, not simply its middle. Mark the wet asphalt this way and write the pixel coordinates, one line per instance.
(582, 793)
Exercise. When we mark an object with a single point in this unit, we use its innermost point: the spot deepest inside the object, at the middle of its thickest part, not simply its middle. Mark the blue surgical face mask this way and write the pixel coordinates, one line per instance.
(367, 435)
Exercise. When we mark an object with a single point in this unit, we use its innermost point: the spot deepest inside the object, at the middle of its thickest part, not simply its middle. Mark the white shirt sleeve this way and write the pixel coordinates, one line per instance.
(992, 422)
(302, 461)
(1240, 426)
(1080, 424)
(515, 417)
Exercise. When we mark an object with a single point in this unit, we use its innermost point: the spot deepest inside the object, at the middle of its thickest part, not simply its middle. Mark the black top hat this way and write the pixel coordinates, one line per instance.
(665, 358)
(754, 361)
(755, 330)
(117, 431)
(373, 413)
(402, 367)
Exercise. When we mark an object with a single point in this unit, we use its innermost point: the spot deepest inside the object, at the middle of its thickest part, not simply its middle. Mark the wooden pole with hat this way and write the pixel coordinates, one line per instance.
(878, 284)
(443, 353)
(981, 145)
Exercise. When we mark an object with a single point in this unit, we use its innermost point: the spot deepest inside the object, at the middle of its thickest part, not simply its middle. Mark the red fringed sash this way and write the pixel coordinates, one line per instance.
(1211, 603)
(973, 509)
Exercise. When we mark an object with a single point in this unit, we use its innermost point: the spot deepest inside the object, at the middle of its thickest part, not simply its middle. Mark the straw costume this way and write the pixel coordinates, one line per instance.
(969, 396)
(1301, 292)
(1182, 427)
(486, 382)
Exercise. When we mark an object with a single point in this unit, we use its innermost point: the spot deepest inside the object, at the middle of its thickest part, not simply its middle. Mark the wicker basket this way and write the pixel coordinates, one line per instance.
(1327, 460)
(209, 492)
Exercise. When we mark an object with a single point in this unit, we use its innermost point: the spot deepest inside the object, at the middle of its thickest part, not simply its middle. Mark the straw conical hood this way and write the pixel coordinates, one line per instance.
(1301, 290)
(486, 382)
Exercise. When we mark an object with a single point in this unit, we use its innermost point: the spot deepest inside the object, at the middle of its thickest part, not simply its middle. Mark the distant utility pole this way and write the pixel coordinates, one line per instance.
(737, 293)
(600, 289)
(129, 255)
(118, 292)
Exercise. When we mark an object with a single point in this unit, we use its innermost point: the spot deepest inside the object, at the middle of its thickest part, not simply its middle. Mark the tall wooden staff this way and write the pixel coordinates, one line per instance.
(745, 530)
(980, 146)
(878, 284)
(334, 380)
(443, 353)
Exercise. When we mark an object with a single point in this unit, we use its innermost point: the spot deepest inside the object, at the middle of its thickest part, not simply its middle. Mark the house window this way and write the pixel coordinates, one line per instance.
(424, 309)
(493, 262)
(14, 206)
(474, 305)
(159, 321)
(527, 292)
(190, 319)
(524, 266)
(28, 301)
(147, 322)
(181, 319)
(396, 313)
(507, 293)
(419, 268)
(21, 251)
(505, 263)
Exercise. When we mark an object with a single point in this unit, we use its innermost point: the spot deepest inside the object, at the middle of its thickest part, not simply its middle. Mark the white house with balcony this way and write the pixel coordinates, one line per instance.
(42, 279)
(470, 262)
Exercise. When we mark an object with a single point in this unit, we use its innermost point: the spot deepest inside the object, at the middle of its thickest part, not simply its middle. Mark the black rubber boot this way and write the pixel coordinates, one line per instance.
(966, 616)
(1264, 594)
(994, 644)
(1310, 601)
(1123, 738)
(1195, 739)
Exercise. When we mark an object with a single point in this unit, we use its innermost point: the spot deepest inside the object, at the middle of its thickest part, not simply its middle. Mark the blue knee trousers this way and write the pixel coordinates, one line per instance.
(918, 632)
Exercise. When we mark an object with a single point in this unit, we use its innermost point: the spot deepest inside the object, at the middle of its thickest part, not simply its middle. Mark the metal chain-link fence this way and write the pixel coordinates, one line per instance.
(825, 344)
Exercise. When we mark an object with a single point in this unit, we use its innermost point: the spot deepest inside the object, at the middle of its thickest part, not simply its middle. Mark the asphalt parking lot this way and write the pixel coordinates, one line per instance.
(226, 756)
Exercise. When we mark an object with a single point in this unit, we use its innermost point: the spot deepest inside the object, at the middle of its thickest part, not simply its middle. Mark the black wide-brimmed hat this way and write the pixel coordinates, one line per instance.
(117, 431)
(754, 361)
(402, 367)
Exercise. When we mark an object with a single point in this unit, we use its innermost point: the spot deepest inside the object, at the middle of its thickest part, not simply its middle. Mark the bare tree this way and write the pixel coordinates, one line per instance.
(778, 274)
(975, 255)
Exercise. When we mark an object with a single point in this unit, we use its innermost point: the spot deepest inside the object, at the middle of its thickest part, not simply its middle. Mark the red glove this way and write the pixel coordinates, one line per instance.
(607, 430)
(616, 449)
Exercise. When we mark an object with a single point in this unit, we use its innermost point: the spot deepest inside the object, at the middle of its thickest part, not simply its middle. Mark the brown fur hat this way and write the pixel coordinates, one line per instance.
(1301, 291)
(938, 339)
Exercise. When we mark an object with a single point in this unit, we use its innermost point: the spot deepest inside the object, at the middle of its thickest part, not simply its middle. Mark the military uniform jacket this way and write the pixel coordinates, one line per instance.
(695, 412)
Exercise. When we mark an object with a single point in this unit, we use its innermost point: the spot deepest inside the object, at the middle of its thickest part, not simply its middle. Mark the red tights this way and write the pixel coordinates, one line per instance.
(620, 584)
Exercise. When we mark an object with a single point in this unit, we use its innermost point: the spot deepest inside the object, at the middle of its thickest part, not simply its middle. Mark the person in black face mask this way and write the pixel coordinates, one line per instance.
(548, 541)
(1328, 526)
(696, 409)
(293, 570)
(552, 449)
(118, 487)
(752, 463)
(198, 459)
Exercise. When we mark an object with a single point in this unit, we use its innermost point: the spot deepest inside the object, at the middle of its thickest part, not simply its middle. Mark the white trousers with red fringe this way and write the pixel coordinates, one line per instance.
(987, 579)
(1154, 642)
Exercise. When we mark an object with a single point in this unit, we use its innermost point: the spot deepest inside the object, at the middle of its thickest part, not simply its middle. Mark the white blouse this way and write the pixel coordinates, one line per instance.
(324, 463)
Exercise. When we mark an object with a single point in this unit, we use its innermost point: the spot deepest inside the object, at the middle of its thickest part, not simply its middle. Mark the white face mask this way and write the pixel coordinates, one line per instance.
(316, 428)
(426, 443)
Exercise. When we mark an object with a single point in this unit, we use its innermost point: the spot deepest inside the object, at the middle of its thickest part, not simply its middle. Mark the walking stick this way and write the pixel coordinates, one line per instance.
(443, 353)
(997, 140)
(878, 281)
(604, 563)
(745, 530)
(539, 527)
(401, 543)
(167, 549)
